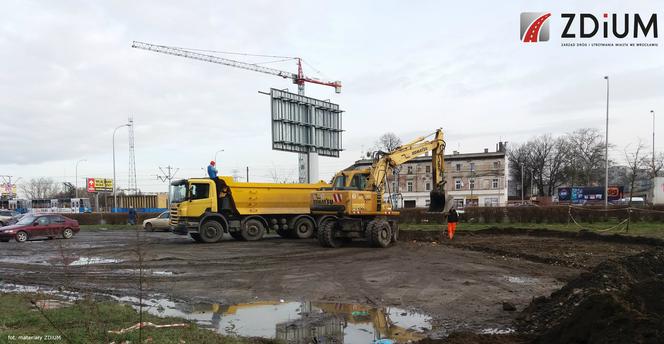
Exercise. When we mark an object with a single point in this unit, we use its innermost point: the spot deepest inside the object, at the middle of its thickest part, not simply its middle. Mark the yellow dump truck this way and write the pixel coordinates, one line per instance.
(207, 208)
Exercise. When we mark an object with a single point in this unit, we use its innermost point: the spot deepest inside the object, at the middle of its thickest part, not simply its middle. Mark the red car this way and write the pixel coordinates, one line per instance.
(35, 226)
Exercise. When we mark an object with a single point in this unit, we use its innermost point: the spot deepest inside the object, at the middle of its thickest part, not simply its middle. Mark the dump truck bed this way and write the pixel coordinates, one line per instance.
(271, 198)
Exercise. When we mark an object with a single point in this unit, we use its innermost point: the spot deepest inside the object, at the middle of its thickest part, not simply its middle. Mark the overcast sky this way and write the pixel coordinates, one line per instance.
(68, 76)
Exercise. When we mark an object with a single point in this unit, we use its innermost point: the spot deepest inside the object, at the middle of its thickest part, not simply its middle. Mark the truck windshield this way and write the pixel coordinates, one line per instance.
(178, 193)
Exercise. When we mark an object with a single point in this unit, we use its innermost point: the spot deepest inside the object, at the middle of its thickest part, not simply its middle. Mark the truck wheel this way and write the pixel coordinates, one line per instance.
(211, 231)
(252, 230)
(327, 235)
(196, 237)
(381, 234)
(304, 228)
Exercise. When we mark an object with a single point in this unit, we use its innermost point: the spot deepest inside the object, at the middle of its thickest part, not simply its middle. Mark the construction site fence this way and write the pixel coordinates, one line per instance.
(561, 214)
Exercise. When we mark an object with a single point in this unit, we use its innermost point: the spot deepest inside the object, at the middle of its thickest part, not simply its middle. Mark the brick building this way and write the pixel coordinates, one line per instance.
(478, 179)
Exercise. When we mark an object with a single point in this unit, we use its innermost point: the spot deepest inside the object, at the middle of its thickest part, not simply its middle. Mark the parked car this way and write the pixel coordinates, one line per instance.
(35, 226)
(159, 222)
(7, 217)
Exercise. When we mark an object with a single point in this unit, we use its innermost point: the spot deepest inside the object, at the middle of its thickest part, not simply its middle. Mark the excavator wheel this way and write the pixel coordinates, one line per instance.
(237, 236)
(381, 234)
(327, 233)
(252, 230)
(369, 230)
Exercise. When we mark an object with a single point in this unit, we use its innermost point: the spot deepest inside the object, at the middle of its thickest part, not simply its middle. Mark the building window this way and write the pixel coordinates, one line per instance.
(394, 186)
(471, 183)
(458, 203)
(491, 202)
(458, 167)
(427, 186)
(409, 186)
(472, 166)
(494, 183)
(427, 169)
(410, 169)
(458, 184)
(427, 202)
(496, 164)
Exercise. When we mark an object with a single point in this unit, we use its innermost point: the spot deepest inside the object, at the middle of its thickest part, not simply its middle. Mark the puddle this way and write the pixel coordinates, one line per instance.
(22, 260)
(298, 322)
(521, 280)
(291, 322)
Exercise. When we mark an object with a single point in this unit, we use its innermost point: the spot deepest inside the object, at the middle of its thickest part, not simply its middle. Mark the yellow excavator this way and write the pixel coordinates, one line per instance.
(353, 207)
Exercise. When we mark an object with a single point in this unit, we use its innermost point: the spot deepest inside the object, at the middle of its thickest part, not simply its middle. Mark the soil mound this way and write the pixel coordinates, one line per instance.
(619, 301)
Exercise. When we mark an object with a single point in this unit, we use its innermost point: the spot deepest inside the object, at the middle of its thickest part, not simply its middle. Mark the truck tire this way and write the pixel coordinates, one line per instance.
(211, 231)
(381, 234)
(252, 230)
(237, 236)
(327, 235)
(196, 237)
(304, 228)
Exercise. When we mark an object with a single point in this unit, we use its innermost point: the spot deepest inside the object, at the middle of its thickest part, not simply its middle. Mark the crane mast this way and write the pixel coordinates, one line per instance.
(307, 162)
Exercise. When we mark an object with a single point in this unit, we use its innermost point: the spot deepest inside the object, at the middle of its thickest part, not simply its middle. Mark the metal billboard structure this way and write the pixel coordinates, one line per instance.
(308, 126)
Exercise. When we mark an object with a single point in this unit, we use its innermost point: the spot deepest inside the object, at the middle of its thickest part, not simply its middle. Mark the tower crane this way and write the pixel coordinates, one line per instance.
(308, 160)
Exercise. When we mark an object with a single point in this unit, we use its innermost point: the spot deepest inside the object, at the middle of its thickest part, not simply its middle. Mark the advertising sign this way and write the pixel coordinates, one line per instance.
(8, 190)
(99, 185)
(303, 124)
(584, 194)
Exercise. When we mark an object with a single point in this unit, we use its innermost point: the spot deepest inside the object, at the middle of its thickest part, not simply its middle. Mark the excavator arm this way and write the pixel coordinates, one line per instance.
(384, 162)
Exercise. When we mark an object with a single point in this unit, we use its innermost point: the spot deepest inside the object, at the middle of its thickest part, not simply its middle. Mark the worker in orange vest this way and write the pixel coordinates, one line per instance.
(452, 219)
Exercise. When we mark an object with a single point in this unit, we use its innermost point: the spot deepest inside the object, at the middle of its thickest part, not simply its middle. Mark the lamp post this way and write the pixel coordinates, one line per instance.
(76, 176)
(606, 148)
(215, 154)
(115, 196)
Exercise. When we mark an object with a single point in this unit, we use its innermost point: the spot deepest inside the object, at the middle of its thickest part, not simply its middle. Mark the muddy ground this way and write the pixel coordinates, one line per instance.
(462, 284)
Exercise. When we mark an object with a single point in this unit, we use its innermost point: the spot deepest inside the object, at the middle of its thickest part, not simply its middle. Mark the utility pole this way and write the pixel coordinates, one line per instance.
(167, 175)
(653, 142)
(76, 177)
(522, 192)
(247, 174)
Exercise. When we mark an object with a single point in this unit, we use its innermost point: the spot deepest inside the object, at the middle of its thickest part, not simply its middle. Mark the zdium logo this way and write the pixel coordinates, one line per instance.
(534, 27)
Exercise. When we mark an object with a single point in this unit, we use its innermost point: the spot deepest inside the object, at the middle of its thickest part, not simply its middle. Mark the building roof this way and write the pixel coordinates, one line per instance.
(448, 157)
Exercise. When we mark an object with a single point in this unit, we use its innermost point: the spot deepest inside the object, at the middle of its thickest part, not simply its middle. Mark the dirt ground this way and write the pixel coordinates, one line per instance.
(462, 284)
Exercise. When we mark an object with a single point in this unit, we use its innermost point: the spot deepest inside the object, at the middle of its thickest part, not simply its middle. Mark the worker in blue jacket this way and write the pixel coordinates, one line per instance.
(212, 170)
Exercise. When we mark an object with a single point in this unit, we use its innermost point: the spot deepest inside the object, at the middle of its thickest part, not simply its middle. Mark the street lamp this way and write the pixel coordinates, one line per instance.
(115, 196)
(76, 176)
(215, 155)
(606, 148)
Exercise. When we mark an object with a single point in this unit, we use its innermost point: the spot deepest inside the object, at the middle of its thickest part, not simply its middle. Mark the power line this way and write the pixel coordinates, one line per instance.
(167, 176)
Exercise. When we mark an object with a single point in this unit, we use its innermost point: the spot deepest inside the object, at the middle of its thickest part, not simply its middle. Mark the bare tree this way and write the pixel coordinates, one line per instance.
(556, 165)
(388, 142)
(40, 188)
(655, 165)
(635, 166)
(281, 177)
(587, 154)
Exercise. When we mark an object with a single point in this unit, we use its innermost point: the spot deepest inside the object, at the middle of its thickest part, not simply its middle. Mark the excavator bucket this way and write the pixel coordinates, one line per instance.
(437, 203)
